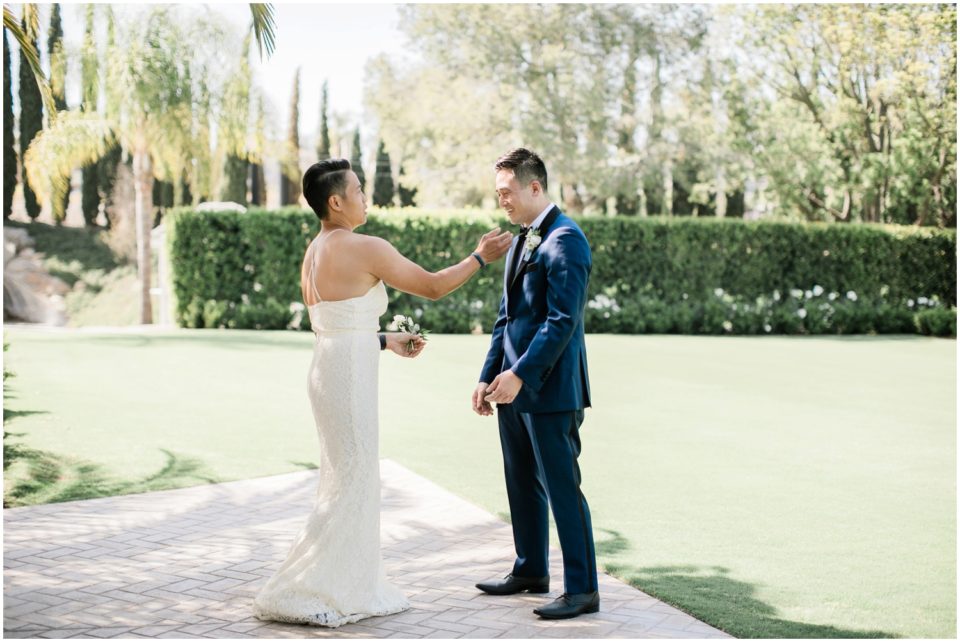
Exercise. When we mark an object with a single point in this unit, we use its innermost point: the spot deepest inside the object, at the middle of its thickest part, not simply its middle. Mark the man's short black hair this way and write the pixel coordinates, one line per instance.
(526, 165)
(322, 180)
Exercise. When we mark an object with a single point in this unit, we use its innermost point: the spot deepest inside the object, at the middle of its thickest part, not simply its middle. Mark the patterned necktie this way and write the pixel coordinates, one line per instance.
(521, 239)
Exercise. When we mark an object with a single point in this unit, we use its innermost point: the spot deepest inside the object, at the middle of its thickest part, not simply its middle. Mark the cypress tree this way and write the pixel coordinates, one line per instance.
(290, 178)
(89, 192)
(58, 76)
(258, 186)
(9, 153)
(407, 196)
(323, 145)
(356, 161)
(107, 176)
(31, 117)
(382, 179)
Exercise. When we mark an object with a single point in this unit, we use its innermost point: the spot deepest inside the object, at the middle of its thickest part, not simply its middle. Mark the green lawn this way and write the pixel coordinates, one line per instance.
(773, 487)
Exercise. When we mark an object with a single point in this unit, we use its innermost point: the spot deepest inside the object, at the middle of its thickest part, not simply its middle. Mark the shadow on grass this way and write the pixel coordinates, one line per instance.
(306, 465)
(36, 476)
(710, 594)
(67, 245)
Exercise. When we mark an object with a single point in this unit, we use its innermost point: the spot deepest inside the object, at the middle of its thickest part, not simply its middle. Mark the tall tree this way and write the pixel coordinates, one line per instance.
(323, 143)
(290, 166)
(382, 179)
(150, 119)
(31, 113)
(89, 192)
(58, 82)
(861, 124)
(356, 159)
(233, 130)
(9, 152)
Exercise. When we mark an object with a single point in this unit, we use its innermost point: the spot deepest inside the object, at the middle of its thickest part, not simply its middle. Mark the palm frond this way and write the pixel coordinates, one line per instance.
(32, 20)
(264, 27)
(74, 139)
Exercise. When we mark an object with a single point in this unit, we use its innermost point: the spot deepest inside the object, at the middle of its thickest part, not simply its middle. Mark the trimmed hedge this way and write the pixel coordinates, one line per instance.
(656, 275)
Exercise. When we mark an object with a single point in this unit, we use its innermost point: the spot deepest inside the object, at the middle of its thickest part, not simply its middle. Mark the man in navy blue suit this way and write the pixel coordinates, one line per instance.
(536, 373)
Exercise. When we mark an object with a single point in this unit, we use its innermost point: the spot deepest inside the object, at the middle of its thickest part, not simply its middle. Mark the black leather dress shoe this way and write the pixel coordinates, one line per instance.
(568, 606)
(512, 584)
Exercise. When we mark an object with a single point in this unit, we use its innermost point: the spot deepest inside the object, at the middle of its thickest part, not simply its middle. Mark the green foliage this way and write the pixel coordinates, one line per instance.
(687, 276)
(406, 194)
(290, 167)
(58, 81)
(383, 179)
(356, 159)
(89, 196)
(235, 180)
(31, 118)
(9, 152)
(323, 142)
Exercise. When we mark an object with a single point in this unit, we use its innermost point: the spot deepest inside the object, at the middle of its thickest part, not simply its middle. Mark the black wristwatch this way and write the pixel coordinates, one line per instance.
(383, 341)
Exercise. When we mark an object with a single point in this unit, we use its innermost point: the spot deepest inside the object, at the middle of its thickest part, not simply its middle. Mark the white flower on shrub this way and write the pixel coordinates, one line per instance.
(922, 300)
(603, 302)
(909, 303)
(245, 299)
(776, 295)
(808, 294)
(802, 313)
(257, 287)
(851, 295)
(728, 326)
(418, 312)
(477, 304)
(685, 296)
(718, 292)
(884, 290)
(296, 315)
(767, 327)
(795, 293)
(817, 290)
(833, 296)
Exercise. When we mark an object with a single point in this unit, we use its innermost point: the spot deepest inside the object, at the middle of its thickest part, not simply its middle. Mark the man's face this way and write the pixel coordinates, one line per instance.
(515, 199)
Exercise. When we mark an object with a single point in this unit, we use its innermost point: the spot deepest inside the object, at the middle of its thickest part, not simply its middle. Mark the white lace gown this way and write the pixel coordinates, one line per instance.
(333, 573)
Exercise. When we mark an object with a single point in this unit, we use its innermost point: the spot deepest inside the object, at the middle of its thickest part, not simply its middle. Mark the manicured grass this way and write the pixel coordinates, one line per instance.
(773, 487)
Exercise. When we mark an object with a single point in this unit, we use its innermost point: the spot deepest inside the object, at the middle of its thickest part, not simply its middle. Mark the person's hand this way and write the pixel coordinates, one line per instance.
(399, 343)
(505, 388)
(480, 405)
(494, 244)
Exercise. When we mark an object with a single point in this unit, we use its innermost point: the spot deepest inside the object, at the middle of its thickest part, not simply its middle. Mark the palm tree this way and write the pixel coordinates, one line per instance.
(31, 17)
(155, 94)
(264, 27)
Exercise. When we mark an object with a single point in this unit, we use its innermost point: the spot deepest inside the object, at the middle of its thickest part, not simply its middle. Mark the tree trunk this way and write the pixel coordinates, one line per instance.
(143, 188)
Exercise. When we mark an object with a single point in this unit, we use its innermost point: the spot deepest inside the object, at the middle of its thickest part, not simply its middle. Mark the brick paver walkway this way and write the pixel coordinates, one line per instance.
(186, 563)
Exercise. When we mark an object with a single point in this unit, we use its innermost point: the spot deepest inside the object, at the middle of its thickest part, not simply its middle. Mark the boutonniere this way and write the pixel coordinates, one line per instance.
(533, 240)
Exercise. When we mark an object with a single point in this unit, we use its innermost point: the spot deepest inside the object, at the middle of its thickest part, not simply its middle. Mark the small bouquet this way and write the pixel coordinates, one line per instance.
(407, 324)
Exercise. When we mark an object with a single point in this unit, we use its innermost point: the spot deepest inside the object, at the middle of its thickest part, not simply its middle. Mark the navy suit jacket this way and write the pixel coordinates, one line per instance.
(539, 328)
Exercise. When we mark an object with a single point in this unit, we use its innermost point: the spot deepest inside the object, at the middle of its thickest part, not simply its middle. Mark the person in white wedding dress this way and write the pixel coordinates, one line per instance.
(333, 573)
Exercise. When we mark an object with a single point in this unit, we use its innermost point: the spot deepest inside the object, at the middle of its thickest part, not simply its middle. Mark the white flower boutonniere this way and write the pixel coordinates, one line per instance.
(533, 240)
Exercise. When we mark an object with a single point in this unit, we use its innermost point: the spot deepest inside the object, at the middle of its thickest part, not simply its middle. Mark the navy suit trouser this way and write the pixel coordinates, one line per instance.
(540, 454)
